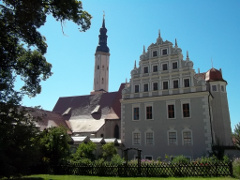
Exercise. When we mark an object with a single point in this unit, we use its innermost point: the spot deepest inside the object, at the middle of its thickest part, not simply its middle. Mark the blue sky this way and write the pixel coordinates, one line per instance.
(208, 29)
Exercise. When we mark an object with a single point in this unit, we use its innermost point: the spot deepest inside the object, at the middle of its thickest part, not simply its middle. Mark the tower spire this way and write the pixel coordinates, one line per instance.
(101, 69)
(102, 44)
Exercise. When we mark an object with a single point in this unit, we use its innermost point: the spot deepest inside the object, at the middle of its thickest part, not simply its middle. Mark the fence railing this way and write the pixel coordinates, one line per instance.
(147, 170)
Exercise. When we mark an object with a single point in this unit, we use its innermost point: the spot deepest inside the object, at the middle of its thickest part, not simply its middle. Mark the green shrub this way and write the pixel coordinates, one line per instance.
(181, 159)
(117, 160)
(236, 168)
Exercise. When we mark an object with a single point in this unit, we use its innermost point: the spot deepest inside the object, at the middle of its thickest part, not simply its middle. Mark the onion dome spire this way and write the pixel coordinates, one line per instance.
(102, 44)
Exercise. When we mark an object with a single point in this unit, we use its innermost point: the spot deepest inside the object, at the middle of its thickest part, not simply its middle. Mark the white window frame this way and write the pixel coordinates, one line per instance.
(172, 130)
(171, 103)
(164, 64)
(148, 156)
(163, 50)
(173, 83)
(184, 82)
(149, 131)
(153, 53)
(145, 107)
(222, 88)
(187, 130)
(163, 85)
(175, 62)
(153, 86)
(140, 139)
(153, 68)
(144, 69)
(212, 88)
(144, 87)
(135, 88)
(136, 106)
(186, 101)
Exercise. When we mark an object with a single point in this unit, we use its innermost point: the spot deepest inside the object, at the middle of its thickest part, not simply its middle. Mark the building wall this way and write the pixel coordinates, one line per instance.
(101, 71)
(160, 125)
(221, 116)
(167, 131)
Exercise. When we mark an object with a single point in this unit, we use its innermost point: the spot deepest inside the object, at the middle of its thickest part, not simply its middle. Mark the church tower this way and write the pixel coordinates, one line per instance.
(101, 68)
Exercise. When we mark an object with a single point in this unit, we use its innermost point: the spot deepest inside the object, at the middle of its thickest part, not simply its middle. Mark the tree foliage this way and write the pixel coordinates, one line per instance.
(22, 50)
(85, 151)
(54, 145)
(22, 47)
(236, 135)
(109, 150)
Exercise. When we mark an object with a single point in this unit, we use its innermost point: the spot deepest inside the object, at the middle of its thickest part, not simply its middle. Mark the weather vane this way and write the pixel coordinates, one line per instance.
(103, 14)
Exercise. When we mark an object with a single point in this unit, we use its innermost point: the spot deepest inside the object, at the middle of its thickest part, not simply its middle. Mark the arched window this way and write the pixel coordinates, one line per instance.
(116, 131)
(102, 80)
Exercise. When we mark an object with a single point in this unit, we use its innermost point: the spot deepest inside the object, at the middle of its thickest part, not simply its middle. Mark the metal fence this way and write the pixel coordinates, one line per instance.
(147, 170)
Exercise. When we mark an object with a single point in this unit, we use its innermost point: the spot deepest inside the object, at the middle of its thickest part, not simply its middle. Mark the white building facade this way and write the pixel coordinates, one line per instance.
(169, 109)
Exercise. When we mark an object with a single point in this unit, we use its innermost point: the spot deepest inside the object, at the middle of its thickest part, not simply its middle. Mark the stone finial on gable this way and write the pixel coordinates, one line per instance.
(187, 56)
(176, 43)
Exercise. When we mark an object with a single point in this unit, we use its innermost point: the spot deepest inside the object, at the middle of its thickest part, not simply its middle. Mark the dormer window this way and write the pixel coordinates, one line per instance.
(154, 53)
(164, 52)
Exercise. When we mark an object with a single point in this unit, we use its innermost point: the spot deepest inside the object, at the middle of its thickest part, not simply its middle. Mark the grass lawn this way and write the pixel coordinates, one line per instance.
(72, 177)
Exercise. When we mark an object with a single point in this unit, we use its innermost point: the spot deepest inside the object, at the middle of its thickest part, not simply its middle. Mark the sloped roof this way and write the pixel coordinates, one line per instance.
(214, 75)
(86, 125)
(47, 119)
(88, 113)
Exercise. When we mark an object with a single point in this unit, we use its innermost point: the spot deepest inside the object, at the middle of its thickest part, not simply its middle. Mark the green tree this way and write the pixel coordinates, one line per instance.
(236, 135)
(109, 150)
(22, 50)
(85, 151)
(54, 145)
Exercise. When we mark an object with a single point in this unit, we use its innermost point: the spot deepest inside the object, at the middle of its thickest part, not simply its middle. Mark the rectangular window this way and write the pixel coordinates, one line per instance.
(149, 112)
(187, 138)
(155, 86)
(174, 65)
(149, 138)
(145, 69)
(164, 51)
(164, 67)
(172, 137)
(171, 111)
(136, 113)
(148, 158)
(222, 88)
(186, 82)
(175, 84)
(154, 53)
(186, 110)
(155, 68)
(145, 87)
(136, 89)
(214, 87)
(136, 138)
(165, 85)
